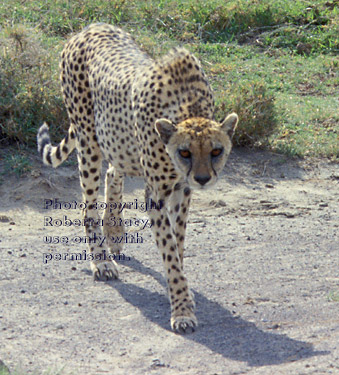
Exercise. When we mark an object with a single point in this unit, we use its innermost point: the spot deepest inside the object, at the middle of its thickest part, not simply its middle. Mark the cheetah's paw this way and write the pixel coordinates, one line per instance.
(105, 271)
(184, 324)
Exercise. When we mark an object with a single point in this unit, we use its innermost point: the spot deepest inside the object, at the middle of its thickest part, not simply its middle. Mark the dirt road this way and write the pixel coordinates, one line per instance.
(262, 259)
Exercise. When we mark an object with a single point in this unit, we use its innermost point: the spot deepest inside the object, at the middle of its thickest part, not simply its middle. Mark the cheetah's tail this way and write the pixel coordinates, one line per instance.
(55, 155)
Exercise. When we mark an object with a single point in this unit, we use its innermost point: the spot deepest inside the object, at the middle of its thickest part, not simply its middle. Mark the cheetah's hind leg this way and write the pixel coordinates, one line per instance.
(114, 229)
(103, 267)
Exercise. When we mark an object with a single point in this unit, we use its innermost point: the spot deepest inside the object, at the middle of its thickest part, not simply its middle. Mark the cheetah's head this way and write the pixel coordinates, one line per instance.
(198, 147)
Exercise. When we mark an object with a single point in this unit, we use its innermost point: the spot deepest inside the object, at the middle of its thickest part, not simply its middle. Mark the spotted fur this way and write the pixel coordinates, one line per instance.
(150, 118)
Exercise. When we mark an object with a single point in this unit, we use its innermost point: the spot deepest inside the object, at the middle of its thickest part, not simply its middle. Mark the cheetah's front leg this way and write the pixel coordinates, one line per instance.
(179, 203)
(183, 319)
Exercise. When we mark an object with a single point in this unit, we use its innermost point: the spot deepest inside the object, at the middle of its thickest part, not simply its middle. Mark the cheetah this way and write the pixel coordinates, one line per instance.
(145, 117)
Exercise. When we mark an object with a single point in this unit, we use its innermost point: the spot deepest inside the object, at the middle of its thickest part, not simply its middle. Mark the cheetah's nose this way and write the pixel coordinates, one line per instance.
(202, 179)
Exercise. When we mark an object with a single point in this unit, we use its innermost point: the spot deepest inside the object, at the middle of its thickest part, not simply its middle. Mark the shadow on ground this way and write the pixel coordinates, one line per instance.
(218, 330)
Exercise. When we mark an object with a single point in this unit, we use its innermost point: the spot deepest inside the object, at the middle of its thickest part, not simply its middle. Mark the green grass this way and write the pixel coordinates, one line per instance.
(29, 83)
(16, 163)
(334, 296)
(274, 62)
(280, 23)
(19, 371)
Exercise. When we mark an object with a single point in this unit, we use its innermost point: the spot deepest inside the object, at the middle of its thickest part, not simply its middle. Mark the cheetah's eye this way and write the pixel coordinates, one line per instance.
(186, 154)
(216, 152)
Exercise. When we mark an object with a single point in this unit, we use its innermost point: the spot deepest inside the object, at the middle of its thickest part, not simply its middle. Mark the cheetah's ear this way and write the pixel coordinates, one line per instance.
(229, 124)
(165, 128)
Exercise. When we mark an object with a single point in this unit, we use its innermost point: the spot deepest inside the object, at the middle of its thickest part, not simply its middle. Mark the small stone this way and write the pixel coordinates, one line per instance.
(218, 203)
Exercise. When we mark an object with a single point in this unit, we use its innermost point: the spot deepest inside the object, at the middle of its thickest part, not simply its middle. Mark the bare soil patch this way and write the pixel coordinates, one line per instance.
(262, 260)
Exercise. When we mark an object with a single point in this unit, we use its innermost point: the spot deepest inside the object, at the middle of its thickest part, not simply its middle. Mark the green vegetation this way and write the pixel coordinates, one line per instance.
(273, 62)
(16, 163)
(334, 296)
(4, 370)
(29, 84)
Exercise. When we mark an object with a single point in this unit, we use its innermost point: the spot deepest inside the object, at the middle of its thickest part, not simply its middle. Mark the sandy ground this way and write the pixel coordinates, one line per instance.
(262, 259)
